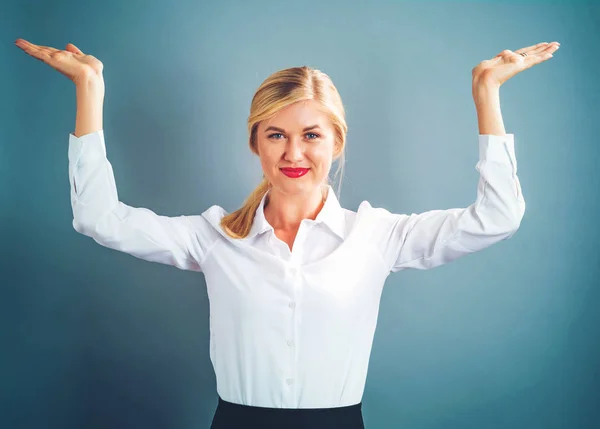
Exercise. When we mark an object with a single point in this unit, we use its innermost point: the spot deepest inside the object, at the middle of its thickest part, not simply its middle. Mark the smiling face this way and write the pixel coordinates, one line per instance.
(298, 136)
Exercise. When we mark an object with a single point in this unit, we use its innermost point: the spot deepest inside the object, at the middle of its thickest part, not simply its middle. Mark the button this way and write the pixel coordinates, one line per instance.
(290, 343)
(289, 380)
(292, 304)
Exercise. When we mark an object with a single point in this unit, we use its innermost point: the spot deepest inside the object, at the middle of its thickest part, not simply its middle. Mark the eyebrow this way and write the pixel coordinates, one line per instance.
(283, 131)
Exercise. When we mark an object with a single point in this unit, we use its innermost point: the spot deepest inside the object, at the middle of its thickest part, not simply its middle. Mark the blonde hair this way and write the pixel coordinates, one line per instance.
(280, 90)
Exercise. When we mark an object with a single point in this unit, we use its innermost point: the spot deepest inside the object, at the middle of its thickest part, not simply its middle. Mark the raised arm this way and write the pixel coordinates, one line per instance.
(97, 212)
(433, 238)
(436, 237)
(180, 241)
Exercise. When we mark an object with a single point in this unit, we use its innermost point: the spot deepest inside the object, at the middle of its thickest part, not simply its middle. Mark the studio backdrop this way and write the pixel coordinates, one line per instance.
(508, 337)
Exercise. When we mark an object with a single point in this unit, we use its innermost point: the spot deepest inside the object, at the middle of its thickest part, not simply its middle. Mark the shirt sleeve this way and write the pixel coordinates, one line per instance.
(98, 213)
(433, 238)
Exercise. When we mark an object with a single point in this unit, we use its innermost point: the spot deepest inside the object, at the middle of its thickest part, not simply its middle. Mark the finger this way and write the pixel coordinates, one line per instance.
(532, 48)
(529, 49)
(542, 48)
(31, 49)
(540, 56)
(25, 44)
(37, 51)
(72, 48)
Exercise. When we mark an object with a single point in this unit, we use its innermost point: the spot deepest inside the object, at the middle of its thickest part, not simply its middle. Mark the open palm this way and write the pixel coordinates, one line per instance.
(507, 63)
(71, 62)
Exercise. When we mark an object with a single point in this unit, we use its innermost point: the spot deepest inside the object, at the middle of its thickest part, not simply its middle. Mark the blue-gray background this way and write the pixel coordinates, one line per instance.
(504, 338)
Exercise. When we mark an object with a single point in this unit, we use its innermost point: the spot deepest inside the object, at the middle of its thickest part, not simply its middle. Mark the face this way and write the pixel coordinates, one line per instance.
(298, 136)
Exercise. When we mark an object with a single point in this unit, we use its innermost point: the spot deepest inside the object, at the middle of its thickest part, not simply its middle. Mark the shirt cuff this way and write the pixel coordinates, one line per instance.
(87, 147)
(498, 149)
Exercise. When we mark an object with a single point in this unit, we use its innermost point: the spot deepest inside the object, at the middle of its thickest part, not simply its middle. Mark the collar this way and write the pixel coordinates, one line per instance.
(331, 214)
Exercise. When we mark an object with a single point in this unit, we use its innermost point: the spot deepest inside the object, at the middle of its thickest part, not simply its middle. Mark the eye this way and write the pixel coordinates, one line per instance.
(279, 134)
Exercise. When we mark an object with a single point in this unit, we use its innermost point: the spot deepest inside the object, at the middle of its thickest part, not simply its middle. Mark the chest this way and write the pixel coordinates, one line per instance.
(251, 282)
(287, 237)
(252, 277)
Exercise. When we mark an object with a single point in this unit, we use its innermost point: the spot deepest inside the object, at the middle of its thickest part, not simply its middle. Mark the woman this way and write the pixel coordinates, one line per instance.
(294, 280)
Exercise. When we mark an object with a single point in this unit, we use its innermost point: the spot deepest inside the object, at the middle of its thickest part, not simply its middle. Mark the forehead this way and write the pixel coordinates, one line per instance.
(298, 115)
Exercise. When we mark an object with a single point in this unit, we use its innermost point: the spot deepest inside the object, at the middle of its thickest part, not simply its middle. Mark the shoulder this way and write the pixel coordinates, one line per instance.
(214, 214)
(379, 215)
(374, 222)
(206, 226)
(212, 218)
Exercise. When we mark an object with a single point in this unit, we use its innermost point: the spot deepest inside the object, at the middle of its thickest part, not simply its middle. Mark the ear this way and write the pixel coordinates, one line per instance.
(336, 148)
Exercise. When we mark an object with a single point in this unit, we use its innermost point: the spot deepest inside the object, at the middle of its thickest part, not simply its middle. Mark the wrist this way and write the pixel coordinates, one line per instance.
(91, 82)
(485, 91)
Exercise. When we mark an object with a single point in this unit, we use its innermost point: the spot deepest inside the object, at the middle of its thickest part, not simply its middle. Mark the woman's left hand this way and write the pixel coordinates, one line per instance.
(507, 63)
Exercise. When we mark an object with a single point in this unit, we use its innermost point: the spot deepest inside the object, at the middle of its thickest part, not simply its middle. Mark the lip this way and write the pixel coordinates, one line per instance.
(294, 172)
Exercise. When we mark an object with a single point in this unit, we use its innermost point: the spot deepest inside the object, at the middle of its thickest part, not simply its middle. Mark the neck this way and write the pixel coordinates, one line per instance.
(286, 211)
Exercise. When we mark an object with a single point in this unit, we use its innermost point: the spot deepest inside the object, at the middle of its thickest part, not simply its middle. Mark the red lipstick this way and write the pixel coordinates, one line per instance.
(294, 172)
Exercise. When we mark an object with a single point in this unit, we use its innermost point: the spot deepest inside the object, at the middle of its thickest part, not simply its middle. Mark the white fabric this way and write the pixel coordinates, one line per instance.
(295, 329)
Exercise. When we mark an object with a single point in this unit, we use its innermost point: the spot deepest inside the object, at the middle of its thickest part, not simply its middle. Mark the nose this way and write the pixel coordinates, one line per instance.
(294, 150)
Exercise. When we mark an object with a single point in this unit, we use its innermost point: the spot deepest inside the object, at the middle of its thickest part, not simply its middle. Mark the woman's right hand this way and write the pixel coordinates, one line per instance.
(71, 62)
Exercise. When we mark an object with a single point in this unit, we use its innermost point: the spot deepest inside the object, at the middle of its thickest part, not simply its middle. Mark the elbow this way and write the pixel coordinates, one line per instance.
(87, 218)
(518, 216)
(81, 227)
(513, 226)
(86, 223)
(514, 216)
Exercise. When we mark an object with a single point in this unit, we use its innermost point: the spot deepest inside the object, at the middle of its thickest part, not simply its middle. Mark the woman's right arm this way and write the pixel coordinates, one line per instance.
(97, 212)
(90, 100)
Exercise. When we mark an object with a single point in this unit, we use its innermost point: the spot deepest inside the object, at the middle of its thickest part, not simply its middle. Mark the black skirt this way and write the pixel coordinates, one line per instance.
(236, 416)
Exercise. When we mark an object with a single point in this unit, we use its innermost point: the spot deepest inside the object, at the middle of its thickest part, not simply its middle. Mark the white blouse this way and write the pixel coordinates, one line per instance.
(294, 329)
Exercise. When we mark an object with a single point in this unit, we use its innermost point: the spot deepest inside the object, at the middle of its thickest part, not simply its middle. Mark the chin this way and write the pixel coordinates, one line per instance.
(293, 185)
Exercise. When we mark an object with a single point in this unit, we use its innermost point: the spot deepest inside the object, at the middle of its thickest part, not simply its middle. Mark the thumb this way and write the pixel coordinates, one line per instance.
(72, 48)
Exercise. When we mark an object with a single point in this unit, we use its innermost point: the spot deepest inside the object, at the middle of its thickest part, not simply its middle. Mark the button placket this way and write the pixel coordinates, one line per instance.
(293, 272)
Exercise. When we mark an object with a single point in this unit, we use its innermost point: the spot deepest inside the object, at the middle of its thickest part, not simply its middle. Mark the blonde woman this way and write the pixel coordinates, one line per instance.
(294, 280)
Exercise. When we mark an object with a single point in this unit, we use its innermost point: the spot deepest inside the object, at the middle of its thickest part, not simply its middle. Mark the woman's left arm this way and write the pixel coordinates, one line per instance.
(436, 237)
(489, 115)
